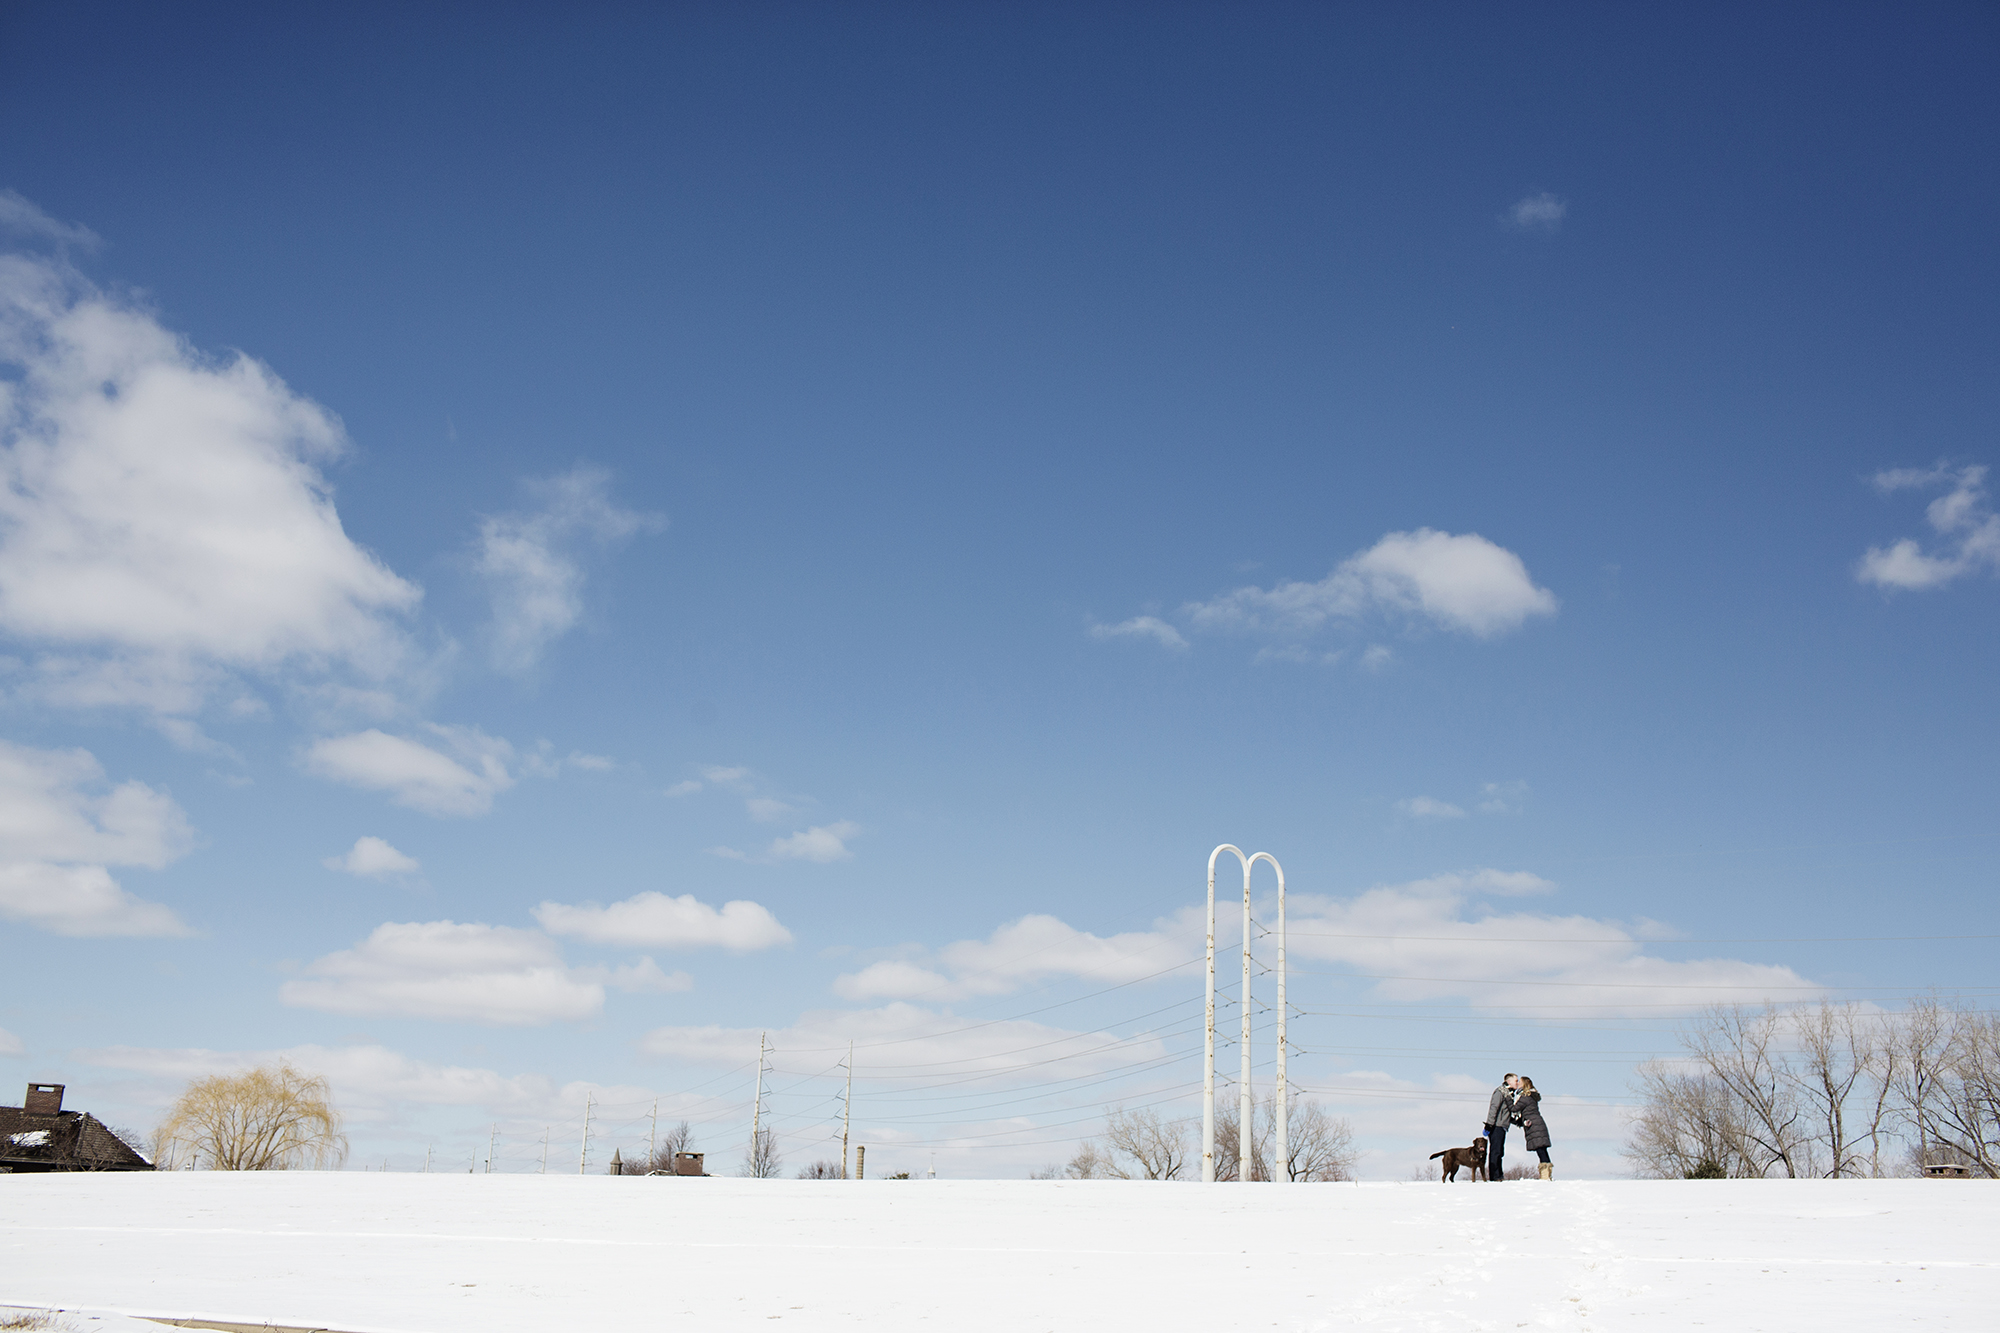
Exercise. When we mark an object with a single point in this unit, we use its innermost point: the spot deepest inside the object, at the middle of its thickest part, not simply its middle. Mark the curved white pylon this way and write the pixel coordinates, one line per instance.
(1245, 1105)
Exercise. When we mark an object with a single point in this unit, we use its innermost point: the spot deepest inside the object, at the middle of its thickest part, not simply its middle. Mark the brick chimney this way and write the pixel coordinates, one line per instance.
(43, 1099)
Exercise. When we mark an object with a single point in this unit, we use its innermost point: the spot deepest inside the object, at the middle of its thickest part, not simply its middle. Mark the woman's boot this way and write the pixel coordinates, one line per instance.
(1548, 1172)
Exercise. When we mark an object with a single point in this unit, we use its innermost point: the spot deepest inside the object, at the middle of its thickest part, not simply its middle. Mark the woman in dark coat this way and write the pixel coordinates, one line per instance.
(1528, 1113)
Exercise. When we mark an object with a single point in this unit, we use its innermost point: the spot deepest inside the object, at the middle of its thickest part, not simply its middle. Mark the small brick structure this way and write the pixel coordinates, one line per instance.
(40, 1136)
(1947, 1171)
(688, 1164)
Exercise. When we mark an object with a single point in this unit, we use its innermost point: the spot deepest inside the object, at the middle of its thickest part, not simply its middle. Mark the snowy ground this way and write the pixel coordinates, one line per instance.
(495, 1253)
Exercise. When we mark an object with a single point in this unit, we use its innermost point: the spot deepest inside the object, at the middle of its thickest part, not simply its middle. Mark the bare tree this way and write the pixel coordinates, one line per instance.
(821, 1170)
(1145, 1147)
(1837, 1051)
(1739, 1049)
(761, 1159)
(1963, 1113)
(1688, 1128)
(1824, 1089)
(1228, 1145)
(1920, 1043)
(270, 1119)
(1091, 1163)
(679, 1139)
(1321, 1146)
(1948, 1084)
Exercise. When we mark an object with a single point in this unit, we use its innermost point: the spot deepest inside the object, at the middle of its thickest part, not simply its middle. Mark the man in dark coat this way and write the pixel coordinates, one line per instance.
(1499, 1111)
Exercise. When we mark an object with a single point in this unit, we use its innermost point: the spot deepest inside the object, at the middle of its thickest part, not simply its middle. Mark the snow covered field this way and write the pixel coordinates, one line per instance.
(498, 1253)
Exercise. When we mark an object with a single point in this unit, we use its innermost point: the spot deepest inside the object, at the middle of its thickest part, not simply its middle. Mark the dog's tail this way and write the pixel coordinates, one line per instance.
(1441, 1152)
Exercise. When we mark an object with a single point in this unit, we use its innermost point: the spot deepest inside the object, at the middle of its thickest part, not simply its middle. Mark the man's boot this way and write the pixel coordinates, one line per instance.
(1548, 1172)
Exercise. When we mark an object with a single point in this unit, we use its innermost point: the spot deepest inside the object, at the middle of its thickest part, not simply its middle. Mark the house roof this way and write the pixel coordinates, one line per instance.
(63, 1141)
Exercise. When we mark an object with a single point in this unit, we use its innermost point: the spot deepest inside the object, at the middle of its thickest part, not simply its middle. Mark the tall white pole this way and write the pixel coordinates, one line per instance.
(1208, 1032)
(583, 1152)
(653, 1139)
(1246, 1104)
(757, 1109)
(492, 1143)
(847, 1111)
(1280, 1169)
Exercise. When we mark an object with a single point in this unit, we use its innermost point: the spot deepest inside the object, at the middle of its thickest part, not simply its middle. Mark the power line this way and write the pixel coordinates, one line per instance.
(1627, 939)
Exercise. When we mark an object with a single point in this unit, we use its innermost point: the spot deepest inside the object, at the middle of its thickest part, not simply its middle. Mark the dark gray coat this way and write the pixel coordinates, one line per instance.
(1498, 1106)
(1528, 1106)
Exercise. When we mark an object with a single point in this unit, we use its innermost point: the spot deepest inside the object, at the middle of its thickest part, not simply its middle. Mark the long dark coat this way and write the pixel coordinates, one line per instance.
(1529, 1108)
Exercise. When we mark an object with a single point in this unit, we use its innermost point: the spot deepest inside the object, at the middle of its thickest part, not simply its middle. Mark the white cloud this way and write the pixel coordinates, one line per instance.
(912, 1037)
(825, 843)
(533, 575)
(1025, 950)
(1503, 798)
(656, 920)
(11, 1044)
(19, 215)
(1961, 516)
(61, 824)
(1539, 212)
(449, 970)
(1425, 940)
(1417, 942)
(372, 858)
(374, 1084)
(687, 788)
(764, 809)
(1458, 582)
(1142, 627)
(164, 522)
(1425, 807)
(645, 978)
(896, 978)
(416, 775)
(1293, 652)
(542, 761)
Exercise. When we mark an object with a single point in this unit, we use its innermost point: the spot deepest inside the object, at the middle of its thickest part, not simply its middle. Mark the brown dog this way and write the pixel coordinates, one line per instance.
(1473, 1157)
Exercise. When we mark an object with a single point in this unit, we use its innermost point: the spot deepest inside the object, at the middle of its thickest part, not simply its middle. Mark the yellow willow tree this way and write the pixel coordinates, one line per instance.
(270, 1119)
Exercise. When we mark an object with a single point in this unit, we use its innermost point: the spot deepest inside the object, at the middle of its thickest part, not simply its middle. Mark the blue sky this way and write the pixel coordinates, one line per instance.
(486, 491)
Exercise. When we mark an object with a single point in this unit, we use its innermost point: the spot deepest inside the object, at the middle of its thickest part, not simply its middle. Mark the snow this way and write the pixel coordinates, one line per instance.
(388, 1253)
(34, 1138)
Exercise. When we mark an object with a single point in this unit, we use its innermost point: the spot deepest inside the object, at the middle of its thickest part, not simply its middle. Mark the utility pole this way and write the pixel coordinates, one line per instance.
(847, 1110)
(1208, 1028)
(653, 1137)
(583, 1153)
(427, 1158)
(1245, 1104)
(545, 1150)
(757, 1113)
(1284, 1148)
(492, 1142)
